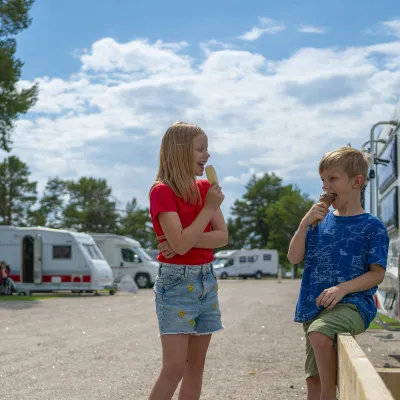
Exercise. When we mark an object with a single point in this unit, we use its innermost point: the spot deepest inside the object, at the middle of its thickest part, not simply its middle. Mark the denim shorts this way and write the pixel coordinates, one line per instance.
(186, 299)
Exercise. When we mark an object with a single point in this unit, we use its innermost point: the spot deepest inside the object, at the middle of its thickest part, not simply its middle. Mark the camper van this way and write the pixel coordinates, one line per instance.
(47, 260)
(246, 263)
(127, 257)
(384, 181)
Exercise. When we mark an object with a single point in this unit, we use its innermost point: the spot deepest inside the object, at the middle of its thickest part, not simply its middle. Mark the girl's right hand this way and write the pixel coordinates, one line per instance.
(214, 197)
(317, 212)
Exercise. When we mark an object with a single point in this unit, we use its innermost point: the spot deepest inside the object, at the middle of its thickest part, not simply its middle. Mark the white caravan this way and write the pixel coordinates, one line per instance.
(246, 263)
(384, 181)
(127, 257)
(47, 260)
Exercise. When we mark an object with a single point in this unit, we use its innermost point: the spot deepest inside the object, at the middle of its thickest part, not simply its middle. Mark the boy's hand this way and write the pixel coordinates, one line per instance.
(165, 248)
(317, 211)
(330, 297)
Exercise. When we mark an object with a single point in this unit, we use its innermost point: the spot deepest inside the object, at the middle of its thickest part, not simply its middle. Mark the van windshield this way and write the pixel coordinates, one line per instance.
(141, 253)
(93, 252)
(220, 262)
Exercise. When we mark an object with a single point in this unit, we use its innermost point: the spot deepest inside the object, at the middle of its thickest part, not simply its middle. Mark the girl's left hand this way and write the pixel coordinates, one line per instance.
(330, 297)
(165, 248)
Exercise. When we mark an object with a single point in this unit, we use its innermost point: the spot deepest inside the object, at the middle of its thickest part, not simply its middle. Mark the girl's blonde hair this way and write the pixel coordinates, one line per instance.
(176, 168)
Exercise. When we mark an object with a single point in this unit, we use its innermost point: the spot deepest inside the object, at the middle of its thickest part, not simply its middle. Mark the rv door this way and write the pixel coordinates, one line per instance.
(37, 259)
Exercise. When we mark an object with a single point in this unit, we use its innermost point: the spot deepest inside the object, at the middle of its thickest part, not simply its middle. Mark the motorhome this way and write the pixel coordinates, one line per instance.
(127, 256)
(254, 263)
(384, 183)
(47, 260)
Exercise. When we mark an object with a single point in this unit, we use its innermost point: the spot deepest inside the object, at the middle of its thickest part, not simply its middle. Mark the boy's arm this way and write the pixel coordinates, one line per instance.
(330, 297)
(297, 245)
(366, 281)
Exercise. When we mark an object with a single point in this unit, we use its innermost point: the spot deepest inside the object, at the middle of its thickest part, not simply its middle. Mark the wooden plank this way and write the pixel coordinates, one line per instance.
(357, 377)
(391, 377)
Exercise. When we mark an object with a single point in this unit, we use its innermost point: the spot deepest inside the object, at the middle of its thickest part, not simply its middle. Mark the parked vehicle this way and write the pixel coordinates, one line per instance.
(246, 263)
(384, 192)
(127, 256)
(47, 260)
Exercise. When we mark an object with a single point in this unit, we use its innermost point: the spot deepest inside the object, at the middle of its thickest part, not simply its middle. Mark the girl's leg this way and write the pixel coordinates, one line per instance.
(193, 376)
(174, 353)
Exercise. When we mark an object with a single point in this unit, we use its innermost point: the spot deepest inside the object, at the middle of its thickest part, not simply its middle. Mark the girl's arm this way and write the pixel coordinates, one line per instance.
(218, 237)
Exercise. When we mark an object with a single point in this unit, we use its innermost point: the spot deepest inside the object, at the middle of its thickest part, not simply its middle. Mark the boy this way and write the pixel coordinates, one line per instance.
(345, 260)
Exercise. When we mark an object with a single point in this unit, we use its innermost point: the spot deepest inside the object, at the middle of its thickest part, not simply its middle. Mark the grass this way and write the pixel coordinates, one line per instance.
(46, 296)
(385, 319)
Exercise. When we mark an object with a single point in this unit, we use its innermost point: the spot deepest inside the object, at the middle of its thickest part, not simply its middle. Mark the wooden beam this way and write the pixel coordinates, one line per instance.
(357, 377)
(391, 377)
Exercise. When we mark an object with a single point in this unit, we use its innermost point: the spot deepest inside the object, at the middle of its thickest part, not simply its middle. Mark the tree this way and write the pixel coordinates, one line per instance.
(267, 216)
(248, 227)
(90, 207)
(284, 217)
(13, 101)
(53, 203)
(136, 223)
(17, 193)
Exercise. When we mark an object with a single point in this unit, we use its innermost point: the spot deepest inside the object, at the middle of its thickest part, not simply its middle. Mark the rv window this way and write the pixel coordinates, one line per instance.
(62, 252)
(387, 173)
(267, 257)
(92, 252)
(242, 259)
(388, 209)
(252, 259)
(129, 256)
(230, 262)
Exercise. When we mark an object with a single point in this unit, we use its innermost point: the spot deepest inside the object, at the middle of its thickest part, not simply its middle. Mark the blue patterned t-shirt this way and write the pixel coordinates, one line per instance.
(340, 249)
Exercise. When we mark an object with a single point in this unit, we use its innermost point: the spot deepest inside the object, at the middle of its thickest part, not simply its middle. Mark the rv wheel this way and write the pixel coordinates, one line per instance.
(142, 280)
(112, 291)
(258, 275)
(224, 275)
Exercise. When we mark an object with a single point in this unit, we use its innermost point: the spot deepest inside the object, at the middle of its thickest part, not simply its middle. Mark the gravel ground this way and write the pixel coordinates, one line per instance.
(107, 347)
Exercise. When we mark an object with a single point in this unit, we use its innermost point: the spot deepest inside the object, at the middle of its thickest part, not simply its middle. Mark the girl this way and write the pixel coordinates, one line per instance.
(186, 215)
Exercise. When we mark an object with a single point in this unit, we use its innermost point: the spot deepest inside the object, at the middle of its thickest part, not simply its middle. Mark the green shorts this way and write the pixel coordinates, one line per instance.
(343, 318)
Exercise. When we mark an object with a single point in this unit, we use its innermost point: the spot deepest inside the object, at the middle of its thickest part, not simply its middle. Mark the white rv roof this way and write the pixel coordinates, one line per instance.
(225, 253)
(126, 239)
(79, 236)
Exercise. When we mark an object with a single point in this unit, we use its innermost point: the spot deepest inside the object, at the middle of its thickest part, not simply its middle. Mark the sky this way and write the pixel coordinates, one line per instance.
(275, 85)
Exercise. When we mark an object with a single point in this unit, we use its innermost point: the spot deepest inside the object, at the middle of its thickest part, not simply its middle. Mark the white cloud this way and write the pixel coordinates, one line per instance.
(266, 26)
(279, 116)
(386, 28)
(312, 29)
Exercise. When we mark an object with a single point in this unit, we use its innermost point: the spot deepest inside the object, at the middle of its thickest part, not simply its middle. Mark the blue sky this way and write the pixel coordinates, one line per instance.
(275, 85)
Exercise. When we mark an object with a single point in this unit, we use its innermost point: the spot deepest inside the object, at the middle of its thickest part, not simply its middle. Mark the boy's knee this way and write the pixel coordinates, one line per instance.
(320, 341)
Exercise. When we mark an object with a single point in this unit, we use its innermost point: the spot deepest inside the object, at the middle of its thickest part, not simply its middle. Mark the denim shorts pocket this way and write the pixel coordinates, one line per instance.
(171, 280)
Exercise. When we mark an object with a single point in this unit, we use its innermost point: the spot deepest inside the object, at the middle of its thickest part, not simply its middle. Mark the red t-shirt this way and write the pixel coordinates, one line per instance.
(163, 199)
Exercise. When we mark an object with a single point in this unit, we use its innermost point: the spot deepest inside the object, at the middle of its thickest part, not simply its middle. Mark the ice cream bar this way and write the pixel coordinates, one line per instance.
(328, 199)
(211, 175)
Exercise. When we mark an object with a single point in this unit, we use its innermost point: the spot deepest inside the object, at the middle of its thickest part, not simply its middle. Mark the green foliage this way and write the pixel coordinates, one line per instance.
(13, 100)
(267, 215)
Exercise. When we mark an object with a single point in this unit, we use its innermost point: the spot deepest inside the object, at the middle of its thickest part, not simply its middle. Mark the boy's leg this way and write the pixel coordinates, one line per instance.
(311, 370)
(325, 355)
(322, 332)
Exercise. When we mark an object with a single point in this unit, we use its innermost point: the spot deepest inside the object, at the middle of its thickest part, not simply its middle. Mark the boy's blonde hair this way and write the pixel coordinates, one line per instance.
(176, 167)
(352, 161)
